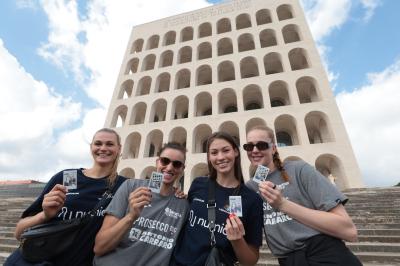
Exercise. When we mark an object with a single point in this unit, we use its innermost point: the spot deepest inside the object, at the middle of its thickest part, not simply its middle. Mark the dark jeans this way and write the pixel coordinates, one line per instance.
(15, 259)
(322, 250)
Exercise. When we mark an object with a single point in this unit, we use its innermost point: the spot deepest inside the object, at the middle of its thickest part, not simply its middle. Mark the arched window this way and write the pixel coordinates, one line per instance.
(166, 58)
(205, 30)
(263, 16)
(187, 34)
(204, 51)
(185, 55)
(284, 139)
(225, 46)
(137, 46)
(284, 12)
(204, 75)
(248, 67)
(243, 21)
(182, 79)
(169, 38)
(152, 43)
(267, 38)
(291, 33)
(246, 42)
(298, 59)
(148, 62)
(226, 71)
(273, 63)
(223, 25)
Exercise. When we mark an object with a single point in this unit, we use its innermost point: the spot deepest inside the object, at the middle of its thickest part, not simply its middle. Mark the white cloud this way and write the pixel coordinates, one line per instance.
(36, 121)
(324, 16)
(31, 114)
(370, 6)
(371, 114)
(106, 27)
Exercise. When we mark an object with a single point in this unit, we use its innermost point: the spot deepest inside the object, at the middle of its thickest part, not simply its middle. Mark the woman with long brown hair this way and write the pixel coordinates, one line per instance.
(56, 202)
(239, 238)
(304, 217)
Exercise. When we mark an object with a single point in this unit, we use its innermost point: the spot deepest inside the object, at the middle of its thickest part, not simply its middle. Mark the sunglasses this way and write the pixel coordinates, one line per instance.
(261, 146)
(166, 161)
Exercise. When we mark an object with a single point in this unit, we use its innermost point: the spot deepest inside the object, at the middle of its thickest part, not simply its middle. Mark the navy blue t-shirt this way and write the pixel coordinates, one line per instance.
(193, 245)
(78, 202)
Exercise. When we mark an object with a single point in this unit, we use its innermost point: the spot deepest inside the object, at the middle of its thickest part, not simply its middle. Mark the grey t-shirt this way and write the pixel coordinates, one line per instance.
(307, 187)
(153, 235)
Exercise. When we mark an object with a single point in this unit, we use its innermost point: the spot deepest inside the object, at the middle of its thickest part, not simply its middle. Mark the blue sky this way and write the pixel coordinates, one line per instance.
(59, 62)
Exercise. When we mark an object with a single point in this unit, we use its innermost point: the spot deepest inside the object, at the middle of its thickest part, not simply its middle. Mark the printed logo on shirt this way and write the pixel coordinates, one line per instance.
(198, 221)
(134, 234)
(170, 213)
(67, 214)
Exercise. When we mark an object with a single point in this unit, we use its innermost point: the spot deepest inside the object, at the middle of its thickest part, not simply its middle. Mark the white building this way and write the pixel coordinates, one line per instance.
(228, 67)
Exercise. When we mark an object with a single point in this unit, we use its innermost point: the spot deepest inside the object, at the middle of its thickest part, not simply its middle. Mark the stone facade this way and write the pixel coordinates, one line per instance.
(229, 67)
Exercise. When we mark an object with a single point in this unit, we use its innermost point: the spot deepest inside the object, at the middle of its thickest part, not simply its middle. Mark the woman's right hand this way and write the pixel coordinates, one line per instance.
(139, 198)
(54, 201)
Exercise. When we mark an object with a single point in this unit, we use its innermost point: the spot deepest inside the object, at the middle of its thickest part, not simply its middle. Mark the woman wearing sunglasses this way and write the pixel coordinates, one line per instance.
(239, 238)
(304, 217)
(141, 226)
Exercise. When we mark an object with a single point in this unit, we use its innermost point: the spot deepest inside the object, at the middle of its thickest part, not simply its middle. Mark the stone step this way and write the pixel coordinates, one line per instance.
(367, 258)
(374, 247)
(379, 258)
(379, 219)
(6, 233)
(9, 240)
(377, 226)
(373, 231)
(376, 212)
(372, 208)
(7, 247)
(377, 238)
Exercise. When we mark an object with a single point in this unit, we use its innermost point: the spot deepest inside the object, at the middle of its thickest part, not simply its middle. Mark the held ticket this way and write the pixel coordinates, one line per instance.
(70, 179)
(155, 182)
(261, 174)
(235, 205)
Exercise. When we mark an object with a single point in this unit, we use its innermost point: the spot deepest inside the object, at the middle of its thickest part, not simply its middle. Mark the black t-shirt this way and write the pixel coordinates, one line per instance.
(78, 202)
(193, 245)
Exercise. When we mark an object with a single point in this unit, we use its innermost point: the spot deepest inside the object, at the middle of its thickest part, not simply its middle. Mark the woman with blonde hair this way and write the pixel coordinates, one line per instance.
(304, 217)
(56, 202)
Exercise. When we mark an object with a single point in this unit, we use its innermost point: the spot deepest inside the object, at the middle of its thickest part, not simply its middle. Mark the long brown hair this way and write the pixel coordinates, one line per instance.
(275, 157)
(113, 172)
(237, 166)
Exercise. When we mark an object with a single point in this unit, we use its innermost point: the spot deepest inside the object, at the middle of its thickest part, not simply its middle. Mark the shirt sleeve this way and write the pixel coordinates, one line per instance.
(36, 206)
(324, 195)
(119, 204)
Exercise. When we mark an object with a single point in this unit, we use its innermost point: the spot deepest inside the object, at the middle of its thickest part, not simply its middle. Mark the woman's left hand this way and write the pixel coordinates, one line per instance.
(234, 228)
(180, 194)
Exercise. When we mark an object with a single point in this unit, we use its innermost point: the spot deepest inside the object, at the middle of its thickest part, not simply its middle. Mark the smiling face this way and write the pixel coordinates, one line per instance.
(260, 157)
(222, 157)
(105, 148)
(171, 173)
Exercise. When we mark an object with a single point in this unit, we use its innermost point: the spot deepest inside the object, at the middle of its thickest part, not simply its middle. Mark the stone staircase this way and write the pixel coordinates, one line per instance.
(376, 212)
